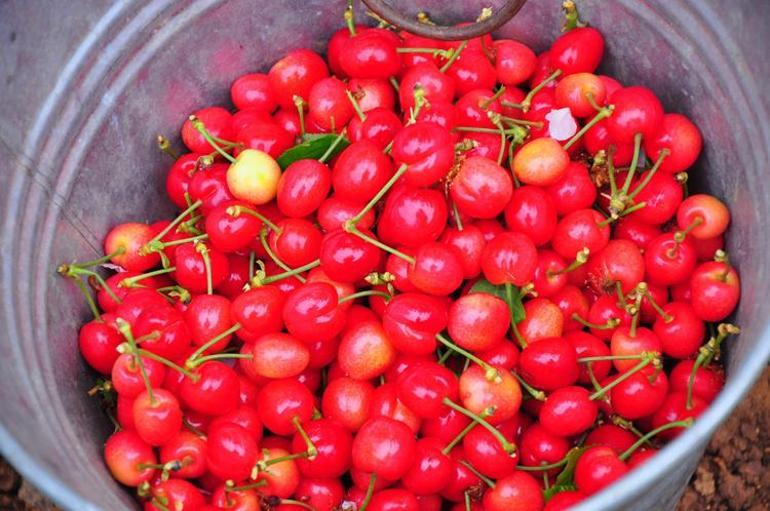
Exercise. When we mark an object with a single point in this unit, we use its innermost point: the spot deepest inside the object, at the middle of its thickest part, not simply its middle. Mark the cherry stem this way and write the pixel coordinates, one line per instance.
(489, 482)
(293, 273)
(94, 262)
(542, 467)
(503, 137)
(192, 359)
(176, 291)
(509, 299)
(297, 503)
(628, 211)
(706, 353)
(594, 382)
(458, 219)
(325, 156)
(165, 146)
(236, 211)
(125, 329)
(571, 16)
(299, 103)
(369, 492)
(452, 58)
(467, 501)
(252, 262)
(272, 255)
(532, 391)
(508, 104)
(490, 372)
(435, 52)
(634, 164)
(224, 356)
(581, 258)
(374, 200)
(584, 360)
(686, 423)
(456, 440)
(168, 363)
(537, 88)
(611, 170)
(511, 121)
(131, 281)
(394, 83)
(352, 229)
(648, 177)
(361, 294)
(637, 309)
(626, 424)
(602, 114)
(599, 394)
(204, 252)
(349, 17)
(311, 450)
(89, 299)
(484, 105)
(201, 128)
(195, 205)
(507, 446)
(491, 131)
(679, 236)
(654, 304)
(609, 325)
(230, 485)
(75, 271)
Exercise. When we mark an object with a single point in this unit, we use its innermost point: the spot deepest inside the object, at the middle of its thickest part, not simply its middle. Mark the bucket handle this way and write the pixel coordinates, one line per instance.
(498, 18)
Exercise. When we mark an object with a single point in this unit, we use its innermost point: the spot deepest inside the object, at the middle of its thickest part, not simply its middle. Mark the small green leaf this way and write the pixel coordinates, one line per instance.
(564, 480)
(313, 147)
(511, 296)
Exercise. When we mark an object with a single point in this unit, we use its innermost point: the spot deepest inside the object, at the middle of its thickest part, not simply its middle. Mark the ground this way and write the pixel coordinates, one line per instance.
(733, 476)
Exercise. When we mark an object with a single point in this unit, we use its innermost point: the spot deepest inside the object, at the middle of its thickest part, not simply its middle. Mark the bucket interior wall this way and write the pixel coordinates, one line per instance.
(89, 85)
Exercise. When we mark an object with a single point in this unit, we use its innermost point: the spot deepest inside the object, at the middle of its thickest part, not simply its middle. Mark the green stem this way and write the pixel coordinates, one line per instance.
(235, 211)
(532, 391)
(623, 377)
(490, 372)
(507, 446)
(168, 363)
(603, 358)
(603, 114)
(224, 356)
(311, 450)
(125, 329)
(634, 164)
(540, 468)
(374, 200)
(456, 440)
(89, 299)
(455, 54)
(686, 423)
(456, 214)
(195, 205)
(537, 88)
(351, 228)
(325, 156)
(478, 474)
(131, 281)
(75, 271)
(369, 492)
(100, 260)
(609, 325)
(300, 104)
(165, 146)
(293, 273)
(272, 255)
(361, 294)
(648, 177)
(349, 18)
(191, 360)
(201, 128)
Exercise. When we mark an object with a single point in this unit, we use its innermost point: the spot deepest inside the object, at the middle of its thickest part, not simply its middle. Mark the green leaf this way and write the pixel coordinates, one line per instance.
(313, 147)
(510, 295)
(564, 480)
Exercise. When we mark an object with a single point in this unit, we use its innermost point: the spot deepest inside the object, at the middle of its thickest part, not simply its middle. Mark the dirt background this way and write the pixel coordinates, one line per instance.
(733, 476)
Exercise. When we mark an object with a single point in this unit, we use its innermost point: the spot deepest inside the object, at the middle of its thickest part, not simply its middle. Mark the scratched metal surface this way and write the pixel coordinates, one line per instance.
(85, 86)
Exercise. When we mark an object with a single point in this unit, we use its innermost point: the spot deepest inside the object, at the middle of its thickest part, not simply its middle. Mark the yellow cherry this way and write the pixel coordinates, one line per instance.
(253, 177)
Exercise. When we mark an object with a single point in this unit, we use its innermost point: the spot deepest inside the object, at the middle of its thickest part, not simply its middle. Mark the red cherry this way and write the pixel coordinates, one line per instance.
(481, 188)
(98, 342)
(662, 196)
(379, 127)
(125, 242)
(430, 470)
(282, 402)
(295, 74)
(335, 211)
(639, 395)
(532, 212)
(597, 468)
(428, 151)
(469, 244)
(477, 394)
(597, 138)
(571, 300)
(347, 258)
(509, 258)
(437, 86)
(282, 478)
(715, 288)
(412, 320)
(620, 261)
(637, 111)
(394, 499)
(333, 443)
(640, 233)
(518, 491)
(579, 50)
(231, 452)
(218, 122)
(253, 91)
(587, 345)
(360, 171)
(541, 162)
(365, 351)
(371, 54)
(568, 411)
(210, 187)
(424, 386)
(625, 342)
(573, 191)
(514, 62)
(538, 446)
(682, 332)
(179, 177)
(707, 384)
(483, 450)
(564, 500)
(385, 403)
(302, 188)
(127, 457)
(191, 271)
(279, 355)
(311, 312)
(708, 212)
(372, 94)
(127, 377)
(157, 417)
(321, 494)
(189, 450)
(574, 91)
(681, 137)
(436, 270)
(472, 70)
(667, 261)
(478, 321)
(549, 364)
(385, 447)
(216, 391)
(259, 311)
(412, 216)
(347, 401)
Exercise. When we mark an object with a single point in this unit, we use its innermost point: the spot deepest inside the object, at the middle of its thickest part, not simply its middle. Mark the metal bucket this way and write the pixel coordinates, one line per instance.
(88, 84)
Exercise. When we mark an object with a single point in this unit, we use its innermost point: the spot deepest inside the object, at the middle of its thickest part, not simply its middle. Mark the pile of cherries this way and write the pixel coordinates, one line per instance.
(419, 275)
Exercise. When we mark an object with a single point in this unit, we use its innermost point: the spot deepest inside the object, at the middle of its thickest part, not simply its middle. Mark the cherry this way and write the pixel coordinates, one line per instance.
(517, 491)
(372, 94)
(442, 113)
(707, 383)
(283, 404)
(385, 447)
(179, 177)
(360, 171)
(640, 394)
(423, 388)
(253, 91)
(334, 212)
(191, 267)
(426, 149)
(311, 312)
(680, 330)
(462, 479)
(540, 162)
(680, 137)
(597, 138)
(629, 228)
(218, 122)
(124, 244)
(543, 319)
(579, 50)
(587, 345)
(597, 468)
(279, 355)
(436, 270)
(549, 364)
(483, 450)
(481, 188)
(551, 274)
(568, 411)
(347, 401)
(430, 470)
(669, 261)
(637, 111)
(620, 261)
(704, 215)
(661, 195)
(302, 188)
(157, 416)
(365, 351)
(371, 54)
(130, 460)
(532, 212)
(715, 289)
(469, 244)
(472, 70)
(244, 416)
(98, 342)
(572, 302)
(564, 500)
(127, 378)
(231, 452)
(539, 446)
(379, 126)
(189, 451)
(412, 320)
(437, 87)
(282, 475)
(394, 499)
(510, 258)
(632, 341)
(674, 408)
(580, 229)
(605, 316)
(210, 187)
(478, 321)
(259, 311)
(412, 216)
(328, 105)
(333, 443)
(346, 257)
(514, 61)
(321, 494)
(573, 191)
(385, 403)
(478, 394)
(295, 74)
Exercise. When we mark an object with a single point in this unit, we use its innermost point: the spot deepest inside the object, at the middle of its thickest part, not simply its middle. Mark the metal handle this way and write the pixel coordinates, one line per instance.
(495, 21)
